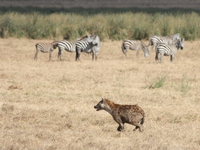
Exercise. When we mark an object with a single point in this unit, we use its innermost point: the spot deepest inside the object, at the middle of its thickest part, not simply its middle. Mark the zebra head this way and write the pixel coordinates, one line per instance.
(54, 44)
(180, 44)
(94, 40)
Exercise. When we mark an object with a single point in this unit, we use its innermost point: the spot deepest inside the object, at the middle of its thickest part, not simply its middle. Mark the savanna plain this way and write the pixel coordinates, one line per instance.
(50, 105)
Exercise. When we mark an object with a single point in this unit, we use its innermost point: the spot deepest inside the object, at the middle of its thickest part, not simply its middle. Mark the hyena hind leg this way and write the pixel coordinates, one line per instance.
(138, 126)
(135, 128)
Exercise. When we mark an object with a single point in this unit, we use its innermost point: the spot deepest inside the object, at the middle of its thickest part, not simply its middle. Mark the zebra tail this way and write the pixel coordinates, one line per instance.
(36, 45)
(123, 48)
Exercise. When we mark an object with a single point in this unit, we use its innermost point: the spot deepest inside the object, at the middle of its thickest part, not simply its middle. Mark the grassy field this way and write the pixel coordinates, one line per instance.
(50, 105)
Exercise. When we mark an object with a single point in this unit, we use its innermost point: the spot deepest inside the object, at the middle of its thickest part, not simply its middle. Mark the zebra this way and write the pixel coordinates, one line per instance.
(163, 39)
(45, 48)
(89, 44)
(168, 49)
(134, 45)
(69, 46)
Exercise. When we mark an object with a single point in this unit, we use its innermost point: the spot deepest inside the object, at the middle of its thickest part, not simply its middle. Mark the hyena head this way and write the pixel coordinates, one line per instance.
(104, 104)
(100, 105)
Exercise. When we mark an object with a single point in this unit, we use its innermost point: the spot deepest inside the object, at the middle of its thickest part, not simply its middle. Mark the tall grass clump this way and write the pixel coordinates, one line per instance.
(39, 26)
(157, 83)
(114, 26)
(190, 28)
(8, 26)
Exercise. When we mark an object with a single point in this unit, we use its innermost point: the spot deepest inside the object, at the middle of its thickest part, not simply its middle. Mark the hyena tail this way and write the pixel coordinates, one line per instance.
(142, 121)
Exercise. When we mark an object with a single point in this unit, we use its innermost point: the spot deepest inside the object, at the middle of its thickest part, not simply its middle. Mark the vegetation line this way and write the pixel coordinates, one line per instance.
(114, 26)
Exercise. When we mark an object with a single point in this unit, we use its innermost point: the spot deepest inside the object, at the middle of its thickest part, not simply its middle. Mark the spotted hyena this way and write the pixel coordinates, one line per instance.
(132, 114)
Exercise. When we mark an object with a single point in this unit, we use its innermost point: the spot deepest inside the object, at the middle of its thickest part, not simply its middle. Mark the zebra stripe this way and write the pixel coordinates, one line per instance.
(69, 46)
(88, 44)
(168, 49)
(134, 45)
(83, 45)
(154, 40)
(45, 48)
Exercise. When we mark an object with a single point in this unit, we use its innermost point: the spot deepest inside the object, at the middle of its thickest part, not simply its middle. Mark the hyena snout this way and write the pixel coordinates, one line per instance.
(97, 107)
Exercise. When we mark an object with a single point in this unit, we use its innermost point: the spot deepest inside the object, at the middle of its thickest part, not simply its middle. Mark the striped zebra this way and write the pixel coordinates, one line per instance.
(90, 44)
(134, 45)
(69, 46)
(45, 48)
(168, 49)
(163, 39)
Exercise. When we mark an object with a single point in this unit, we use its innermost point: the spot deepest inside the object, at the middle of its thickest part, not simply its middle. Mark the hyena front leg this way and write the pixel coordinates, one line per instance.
(119, 121)
(121, 126)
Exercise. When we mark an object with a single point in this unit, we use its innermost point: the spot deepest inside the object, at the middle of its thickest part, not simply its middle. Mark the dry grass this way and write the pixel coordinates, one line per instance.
(49, 105)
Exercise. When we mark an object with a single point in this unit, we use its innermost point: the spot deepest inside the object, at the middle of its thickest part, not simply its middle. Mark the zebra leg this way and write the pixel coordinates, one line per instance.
(125, 52)
(59, 54)
(93, 56)
(161, 57)
(78, 51)
(156, 58)
(172, 58)
(36, 53)
(50, 55)
(137, 53)
(96, 56)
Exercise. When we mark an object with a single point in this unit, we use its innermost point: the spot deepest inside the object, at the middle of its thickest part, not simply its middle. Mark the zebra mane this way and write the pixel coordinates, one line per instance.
(177, 34)
(54, 42)
(81, 38)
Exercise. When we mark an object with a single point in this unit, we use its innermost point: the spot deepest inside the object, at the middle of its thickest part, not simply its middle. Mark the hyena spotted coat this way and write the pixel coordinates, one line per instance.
(131, 114)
